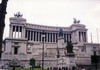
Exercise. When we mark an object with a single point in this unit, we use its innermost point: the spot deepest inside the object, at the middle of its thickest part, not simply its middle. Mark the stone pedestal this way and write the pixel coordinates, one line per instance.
(70, 59)
(67, 61)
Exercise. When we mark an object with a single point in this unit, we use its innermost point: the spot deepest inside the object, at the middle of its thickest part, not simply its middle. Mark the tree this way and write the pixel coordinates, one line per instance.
(3, 6)
(32, 62)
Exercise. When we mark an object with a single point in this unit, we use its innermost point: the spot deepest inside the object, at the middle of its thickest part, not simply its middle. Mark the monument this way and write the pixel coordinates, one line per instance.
(60, 33)
(70, 56)
(67, 58)
(14, 63)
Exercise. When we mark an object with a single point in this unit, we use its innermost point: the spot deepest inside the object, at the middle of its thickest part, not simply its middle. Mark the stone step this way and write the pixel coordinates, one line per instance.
(2, 69)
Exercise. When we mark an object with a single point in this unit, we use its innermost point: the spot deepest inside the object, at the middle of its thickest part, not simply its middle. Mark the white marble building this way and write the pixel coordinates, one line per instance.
(25, 42)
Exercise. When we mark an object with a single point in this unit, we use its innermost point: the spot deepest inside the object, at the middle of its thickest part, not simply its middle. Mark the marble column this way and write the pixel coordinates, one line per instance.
(81, 37)
(11, 31)
(18, 31)
(38, 36)
(51, 37)
(33, 36)
(23, 32)
(27, 34)
(47, 37)
(30, 35)
(55, 37)
(66, 37)
(15, 32)
(41, 36)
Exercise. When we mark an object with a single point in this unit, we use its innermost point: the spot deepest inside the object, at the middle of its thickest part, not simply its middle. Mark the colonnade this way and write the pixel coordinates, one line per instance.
(16, 31)
(82, 36)
(36, 35)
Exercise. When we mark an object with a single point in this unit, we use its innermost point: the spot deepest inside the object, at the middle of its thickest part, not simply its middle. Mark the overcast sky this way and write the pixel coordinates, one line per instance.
(58, 12)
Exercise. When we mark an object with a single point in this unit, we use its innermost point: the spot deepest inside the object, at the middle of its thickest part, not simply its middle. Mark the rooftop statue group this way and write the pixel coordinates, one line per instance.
(76, 21)
(18, 14)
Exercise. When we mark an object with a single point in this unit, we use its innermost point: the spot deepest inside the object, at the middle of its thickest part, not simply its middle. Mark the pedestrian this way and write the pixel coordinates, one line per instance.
(77, 68)
(89, 69)
(73, 68)
(30, 67)
(83, 68)
(2, 66)
(69, 68)
(48, 68)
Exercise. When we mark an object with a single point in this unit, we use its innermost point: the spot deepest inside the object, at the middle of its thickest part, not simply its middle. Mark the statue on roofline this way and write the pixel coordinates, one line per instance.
(76, 21)
(18, 14)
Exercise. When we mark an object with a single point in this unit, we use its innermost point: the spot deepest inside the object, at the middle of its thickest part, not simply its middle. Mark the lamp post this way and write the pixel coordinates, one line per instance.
(43, 37)
(58, 55)
(95, 58)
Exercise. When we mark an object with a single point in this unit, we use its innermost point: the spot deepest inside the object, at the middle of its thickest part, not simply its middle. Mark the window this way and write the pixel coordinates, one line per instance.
(83, 48)
(15, 50)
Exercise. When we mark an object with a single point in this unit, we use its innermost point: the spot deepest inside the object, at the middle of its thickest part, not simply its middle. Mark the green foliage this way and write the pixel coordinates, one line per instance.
(32, 61)
(18, 68)
(95, 59)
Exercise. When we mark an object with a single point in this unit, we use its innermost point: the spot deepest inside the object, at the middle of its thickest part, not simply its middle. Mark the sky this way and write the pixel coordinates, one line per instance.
(58, 13)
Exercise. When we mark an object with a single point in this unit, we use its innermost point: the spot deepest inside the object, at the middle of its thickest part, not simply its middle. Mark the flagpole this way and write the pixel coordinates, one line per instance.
(97, 36)
(91, 38)
(57, 48)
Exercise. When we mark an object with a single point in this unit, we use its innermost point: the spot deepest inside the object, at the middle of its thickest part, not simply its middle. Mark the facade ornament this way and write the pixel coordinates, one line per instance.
(18, 14)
